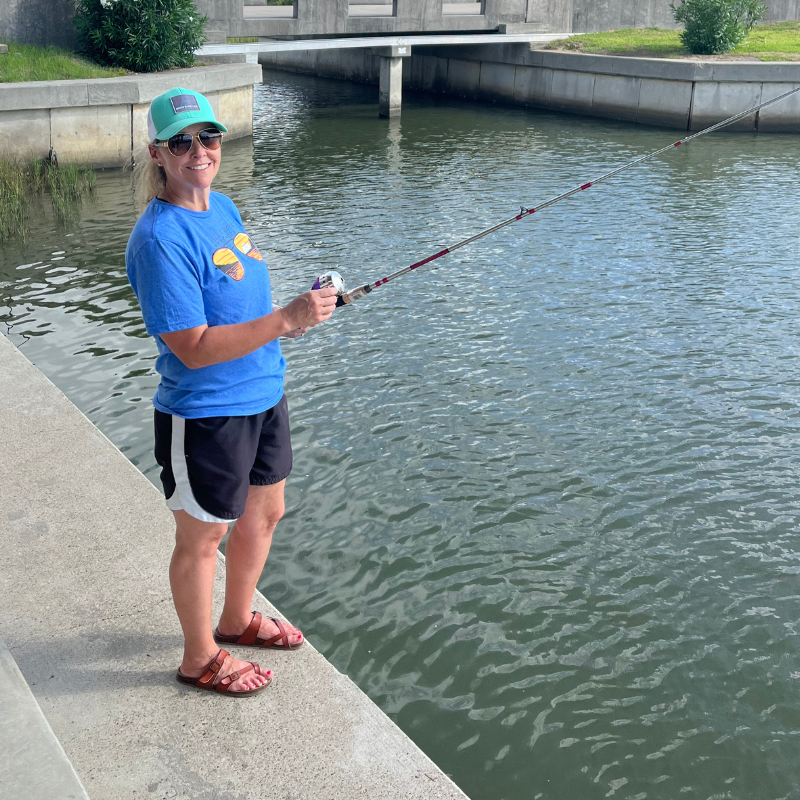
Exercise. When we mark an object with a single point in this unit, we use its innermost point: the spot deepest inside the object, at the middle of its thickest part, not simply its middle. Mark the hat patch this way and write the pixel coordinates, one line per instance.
(181, 103)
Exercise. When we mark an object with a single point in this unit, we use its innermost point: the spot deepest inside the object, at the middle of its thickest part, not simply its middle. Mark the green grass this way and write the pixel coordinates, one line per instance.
(25, 62)
(779, 41)
(774, 39)
(20, 185)
(242, 39)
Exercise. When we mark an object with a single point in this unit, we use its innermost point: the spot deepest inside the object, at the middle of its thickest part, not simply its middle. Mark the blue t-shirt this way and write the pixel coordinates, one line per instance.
(191, 268)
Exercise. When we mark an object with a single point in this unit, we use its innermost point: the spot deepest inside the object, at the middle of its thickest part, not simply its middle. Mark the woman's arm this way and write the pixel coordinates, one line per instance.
(293, 334)
(203, 346)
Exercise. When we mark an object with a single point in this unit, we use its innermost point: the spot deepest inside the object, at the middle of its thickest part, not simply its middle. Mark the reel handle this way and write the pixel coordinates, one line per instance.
(334, 279)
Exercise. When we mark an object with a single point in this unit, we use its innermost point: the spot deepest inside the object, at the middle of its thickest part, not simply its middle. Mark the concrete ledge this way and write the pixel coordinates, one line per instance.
(34, 765)
(667, 68)
(102, 121)
(232, 58)
(43, 94)
(128, 89)
(87, 542)
(684, 95)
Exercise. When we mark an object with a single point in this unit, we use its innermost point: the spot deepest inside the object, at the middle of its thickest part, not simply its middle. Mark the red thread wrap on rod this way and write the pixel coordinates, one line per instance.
(430, 258)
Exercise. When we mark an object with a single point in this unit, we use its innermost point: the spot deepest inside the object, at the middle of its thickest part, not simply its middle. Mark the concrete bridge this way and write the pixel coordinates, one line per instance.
(390, 50)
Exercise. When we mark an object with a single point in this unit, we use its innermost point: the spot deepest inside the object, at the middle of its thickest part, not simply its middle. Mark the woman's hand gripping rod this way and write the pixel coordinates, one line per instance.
(345, 298)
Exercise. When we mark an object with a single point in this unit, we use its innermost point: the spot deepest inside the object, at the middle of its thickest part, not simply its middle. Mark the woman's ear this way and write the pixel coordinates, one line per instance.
(153, 153)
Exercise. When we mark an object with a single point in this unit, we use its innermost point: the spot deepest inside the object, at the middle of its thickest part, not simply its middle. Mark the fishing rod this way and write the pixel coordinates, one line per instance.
(345, 298)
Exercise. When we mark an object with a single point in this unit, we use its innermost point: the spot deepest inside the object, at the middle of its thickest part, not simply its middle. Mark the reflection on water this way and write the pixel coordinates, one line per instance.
(544, 502)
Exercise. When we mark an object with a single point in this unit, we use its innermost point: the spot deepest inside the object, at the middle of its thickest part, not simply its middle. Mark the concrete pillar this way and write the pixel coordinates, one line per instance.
(390, 88)
(390, 98)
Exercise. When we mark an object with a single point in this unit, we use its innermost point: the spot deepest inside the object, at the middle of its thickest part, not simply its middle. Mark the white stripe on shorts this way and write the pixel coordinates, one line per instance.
(183, 498)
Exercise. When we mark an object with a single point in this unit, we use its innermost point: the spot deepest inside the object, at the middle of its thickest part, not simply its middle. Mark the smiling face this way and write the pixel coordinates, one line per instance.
(190, 173)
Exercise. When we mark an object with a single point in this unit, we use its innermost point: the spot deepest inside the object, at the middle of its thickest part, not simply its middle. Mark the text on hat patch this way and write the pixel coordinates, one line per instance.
(184, 102)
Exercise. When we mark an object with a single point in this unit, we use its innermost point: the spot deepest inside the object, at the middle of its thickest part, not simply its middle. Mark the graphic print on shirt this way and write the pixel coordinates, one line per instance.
(242, 242)
(226, 260)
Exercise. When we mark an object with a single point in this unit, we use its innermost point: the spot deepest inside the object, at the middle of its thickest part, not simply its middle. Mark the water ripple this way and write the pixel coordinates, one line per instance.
(544, 501)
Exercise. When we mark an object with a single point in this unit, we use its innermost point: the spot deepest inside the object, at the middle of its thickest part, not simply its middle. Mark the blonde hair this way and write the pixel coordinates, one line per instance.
(149, 179)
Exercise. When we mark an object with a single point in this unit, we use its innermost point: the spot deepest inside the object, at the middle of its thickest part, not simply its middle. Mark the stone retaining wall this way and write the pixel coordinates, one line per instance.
(687, 95)
(103, 122)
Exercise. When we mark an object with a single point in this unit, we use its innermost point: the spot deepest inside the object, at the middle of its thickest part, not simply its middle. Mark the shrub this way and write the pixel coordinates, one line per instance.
(716, 26)
(140, 35)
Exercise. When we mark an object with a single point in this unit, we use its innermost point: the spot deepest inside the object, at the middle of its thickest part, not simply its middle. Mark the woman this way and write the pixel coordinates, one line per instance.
(221, 421)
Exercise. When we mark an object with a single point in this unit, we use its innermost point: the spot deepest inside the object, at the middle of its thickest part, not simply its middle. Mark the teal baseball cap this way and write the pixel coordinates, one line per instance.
(175, 110)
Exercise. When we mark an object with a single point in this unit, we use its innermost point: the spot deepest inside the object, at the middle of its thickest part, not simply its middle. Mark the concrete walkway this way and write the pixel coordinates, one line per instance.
(33, 765)
(87, 616)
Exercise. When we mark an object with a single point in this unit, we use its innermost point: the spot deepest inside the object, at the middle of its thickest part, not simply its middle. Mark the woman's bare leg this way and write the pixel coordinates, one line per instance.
(191, 576)
(245, 555)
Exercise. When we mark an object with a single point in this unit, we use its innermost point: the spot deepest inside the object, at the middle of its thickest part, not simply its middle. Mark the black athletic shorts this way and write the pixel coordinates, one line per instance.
(209, 464)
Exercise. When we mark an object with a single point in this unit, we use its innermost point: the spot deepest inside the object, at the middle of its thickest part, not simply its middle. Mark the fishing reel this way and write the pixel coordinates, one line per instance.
(334, 279)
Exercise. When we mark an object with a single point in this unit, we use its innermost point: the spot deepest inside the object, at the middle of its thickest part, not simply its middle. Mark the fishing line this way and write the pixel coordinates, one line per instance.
(345, 298)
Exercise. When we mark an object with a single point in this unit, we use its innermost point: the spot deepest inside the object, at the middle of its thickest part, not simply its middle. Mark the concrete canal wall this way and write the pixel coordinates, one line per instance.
(686, 95)
(88, 618)
(103, 122)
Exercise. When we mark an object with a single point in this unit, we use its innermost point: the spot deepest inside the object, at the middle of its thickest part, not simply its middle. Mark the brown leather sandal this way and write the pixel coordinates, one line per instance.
(250, 637)
(210, 681)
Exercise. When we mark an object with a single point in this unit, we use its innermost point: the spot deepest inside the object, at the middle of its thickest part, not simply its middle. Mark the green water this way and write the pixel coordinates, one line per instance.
(544, 504)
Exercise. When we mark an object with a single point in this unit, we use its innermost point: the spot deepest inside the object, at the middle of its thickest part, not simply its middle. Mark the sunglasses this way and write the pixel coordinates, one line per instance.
(181, 143)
